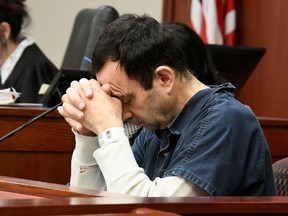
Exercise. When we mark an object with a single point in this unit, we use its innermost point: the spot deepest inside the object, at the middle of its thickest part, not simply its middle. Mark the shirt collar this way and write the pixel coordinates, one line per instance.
(193, 105)
(12, 60)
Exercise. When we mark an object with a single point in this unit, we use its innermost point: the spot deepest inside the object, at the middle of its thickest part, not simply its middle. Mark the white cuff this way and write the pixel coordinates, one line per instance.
(110, 135)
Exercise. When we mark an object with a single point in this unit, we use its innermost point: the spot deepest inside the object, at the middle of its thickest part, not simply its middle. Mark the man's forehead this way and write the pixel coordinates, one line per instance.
(109, 71)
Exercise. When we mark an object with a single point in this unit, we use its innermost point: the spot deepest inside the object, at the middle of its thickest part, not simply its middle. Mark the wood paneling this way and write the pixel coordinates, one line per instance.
(276, 133)
(176, 10)
(41, 151)
(263, 23)
(260, 23)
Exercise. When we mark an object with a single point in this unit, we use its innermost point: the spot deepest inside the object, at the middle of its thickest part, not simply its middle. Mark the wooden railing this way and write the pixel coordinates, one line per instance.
(276, 133)
(42, 151)
(26, 197)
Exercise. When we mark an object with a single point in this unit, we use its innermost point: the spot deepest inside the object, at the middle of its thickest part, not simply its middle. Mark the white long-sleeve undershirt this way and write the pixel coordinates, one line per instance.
(112, 167)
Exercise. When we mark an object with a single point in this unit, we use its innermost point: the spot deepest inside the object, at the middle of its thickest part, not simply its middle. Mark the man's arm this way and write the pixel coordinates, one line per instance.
(123, 175)
(121, 172)
(114, 158)
(85, 171)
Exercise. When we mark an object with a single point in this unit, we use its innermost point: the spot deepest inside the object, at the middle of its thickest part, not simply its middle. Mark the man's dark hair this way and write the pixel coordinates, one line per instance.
(196, 52)
(140, 44)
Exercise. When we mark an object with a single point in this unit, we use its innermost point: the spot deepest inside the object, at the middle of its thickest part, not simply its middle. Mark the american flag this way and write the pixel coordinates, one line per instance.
(214, 20)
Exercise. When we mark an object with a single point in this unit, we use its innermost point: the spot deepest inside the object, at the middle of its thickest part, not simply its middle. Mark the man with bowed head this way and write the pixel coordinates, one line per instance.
(196, 141)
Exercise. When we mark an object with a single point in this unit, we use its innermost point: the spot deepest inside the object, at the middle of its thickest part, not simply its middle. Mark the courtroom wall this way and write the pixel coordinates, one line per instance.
(263, 23)
(52, 20)
(260, 23)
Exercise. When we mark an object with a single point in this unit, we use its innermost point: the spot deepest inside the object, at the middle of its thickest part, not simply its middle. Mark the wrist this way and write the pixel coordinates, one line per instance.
(84, 133)
(110, 135)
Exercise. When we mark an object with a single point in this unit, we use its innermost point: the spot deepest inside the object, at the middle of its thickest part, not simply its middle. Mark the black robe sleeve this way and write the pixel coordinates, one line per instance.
(31, 71)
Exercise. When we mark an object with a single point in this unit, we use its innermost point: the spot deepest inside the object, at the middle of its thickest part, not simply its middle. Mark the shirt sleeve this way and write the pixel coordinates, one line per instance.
(123, 175)
(85, 171)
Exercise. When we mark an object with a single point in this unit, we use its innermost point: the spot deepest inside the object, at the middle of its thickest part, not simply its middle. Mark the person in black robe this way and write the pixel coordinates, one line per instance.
(23, 65)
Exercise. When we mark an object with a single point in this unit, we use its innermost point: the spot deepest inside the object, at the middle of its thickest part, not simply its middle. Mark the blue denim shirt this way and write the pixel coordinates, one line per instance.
(215, 142)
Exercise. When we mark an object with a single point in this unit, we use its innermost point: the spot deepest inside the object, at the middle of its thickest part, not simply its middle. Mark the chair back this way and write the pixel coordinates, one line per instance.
(280, 170)
(88, 25)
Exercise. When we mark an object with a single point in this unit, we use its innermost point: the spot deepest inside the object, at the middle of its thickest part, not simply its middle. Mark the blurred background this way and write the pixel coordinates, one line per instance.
(52, 21)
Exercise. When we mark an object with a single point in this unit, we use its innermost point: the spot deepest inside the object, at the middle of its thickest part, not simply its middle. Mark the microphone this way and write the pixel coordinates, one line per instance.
(30, 122)
(130, 129)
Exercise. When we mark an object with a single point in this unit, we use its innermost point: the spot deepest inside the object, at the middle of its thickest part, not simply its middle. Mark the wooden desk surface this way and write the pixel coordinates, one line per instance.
(183, 206)
(41, 198)
(27, 197)
(24, 187)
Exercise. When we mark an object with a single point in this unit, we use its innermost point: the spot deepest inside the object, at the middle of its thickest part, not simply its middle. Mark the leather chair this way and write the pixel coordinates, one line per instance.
(88, 25)
(280, 170)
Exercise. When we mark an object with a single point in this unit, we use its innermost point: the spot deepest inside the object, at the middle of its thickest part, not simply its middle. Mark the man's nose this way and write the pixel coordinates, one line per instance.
(126, 114)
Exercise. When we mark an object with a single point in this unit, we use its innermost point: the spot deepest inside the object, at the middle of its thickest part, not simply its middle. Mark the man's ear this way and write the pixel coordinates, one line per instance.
(165, 77)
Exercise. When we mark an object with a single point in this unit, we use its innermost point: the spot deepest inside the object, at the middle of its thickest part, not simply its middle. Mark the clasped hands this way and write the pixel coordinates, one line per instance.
(89, 107)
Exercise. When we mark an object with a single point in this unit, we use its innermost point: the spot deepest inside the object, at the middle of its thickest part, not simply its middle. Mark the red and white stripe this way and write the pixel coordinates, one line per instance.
(214, 20)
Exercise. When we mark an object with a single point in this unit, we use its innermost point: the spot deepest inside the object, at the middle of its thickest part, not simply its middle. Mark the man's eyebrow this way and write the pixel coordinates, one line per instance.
(122, 98)
(112, 95)
(119, 96)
